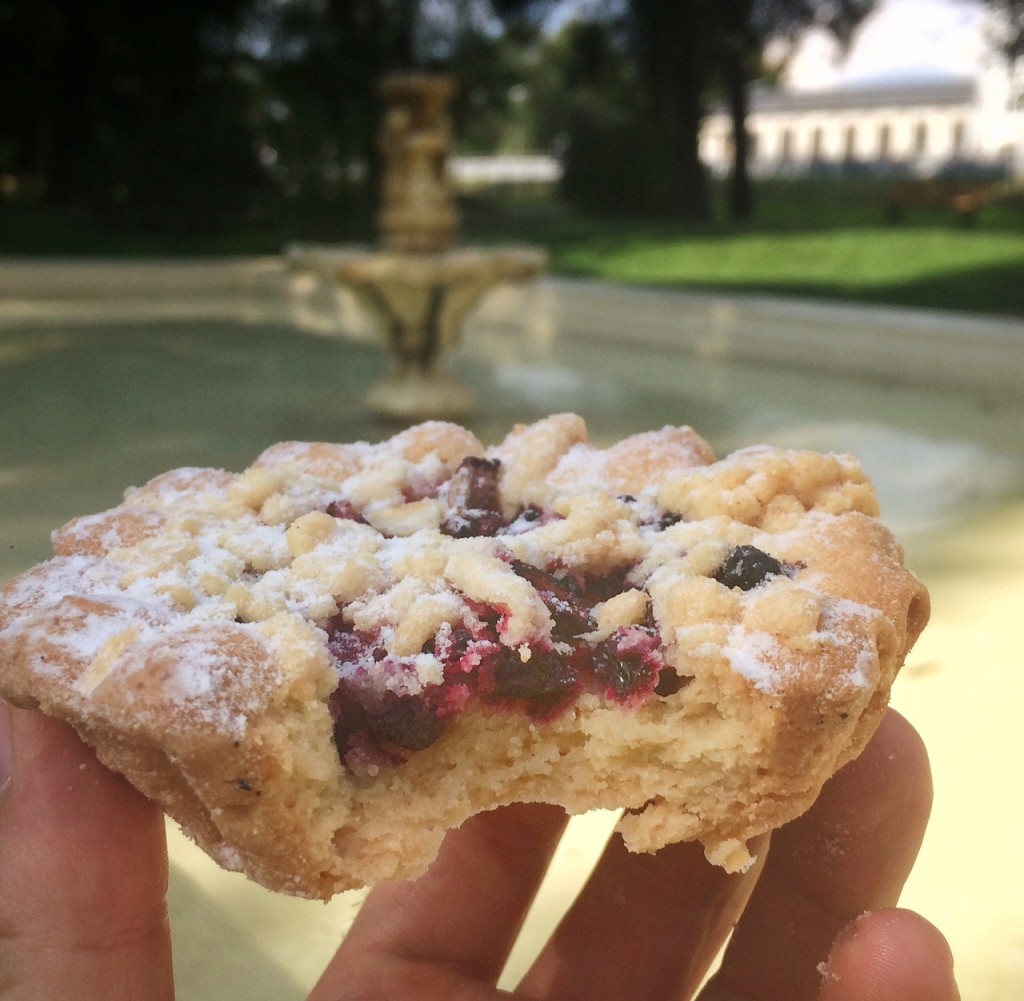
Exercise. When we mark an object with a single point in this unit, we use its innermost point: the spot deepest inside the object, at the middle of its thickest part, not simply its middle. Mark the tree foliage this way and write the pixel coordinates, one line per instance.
(216, 113)
(630, 76)
(738, 40)
(1007, 31)
(121, 105)
(678, 57)
(315, 66)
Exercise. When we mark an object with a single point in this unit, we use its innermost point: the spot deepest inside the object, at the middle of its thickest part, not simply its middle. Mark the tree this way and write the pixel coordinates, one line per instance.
(319, 63)
(1007, 30)
(681, 53)
(490, 110)
(744, 29)
(632, 148)
(110, 93)
(671, 42)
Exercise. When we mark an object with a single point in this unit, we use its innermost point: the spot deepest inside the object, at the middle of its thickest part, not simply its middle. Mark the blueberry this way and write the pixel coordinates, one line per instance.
(601, 587)
(481, 483)
(344, 644)
(669, 683)
(627, 663)
(349, 719)
(409, 723)
(467, 523)
(621, 672)
(474, 499)
(746, 567)
(562, 599)
(545, 676)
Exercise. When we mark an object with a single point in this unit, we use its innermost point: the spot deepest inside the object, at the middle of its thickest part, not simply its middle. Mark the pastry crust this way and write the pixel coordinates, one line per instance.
(254, 651)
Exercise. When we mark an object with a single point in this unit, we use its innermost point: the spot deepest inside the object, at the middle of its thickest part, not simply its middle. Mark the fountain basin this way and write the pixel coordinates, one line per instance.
(112, 372)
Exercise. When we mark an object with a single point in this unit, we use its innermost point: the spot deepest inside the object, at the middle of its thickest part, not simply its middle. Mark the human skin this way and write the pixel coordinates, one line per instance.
(83, 879)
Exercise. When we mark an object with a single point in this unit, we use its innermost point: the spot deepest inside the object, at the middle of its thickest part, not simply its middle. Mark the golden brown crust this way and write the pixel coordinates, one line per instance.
(185, 634)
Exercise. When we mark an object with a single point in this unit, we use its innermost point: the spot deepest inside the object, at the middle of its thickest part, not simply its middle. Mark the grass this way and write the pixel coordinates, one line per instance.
(925, 267)
(818, 239)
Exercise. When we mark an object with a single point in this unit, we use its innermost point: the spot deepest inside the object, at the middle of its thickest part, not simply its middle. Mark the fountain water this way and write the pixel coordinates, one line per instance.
(418, 285)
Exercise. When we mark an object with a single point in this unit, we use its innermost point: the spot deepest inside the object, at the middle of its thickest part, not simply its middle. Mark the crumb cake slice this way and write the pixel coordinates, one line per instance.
(320, 665)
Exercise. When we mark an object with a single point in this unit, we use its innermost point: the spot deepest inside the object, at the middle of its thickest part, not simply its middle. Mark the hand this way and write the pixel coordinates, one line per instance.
(83, 872)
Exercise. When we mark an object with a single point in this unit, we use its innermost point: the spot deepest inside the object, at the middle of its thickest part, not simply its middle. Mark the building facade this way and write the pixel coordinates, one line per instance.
(919, 128)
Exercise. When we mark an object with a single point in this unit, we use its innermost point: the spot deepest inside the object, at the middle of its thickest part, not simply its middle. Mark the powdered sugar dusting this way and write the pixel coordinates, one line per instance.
(757, 656)
(581, 469)
(58, 578)
(216, 677)
(226, 551)
(864, 673)
(847, 625)
(563, 619)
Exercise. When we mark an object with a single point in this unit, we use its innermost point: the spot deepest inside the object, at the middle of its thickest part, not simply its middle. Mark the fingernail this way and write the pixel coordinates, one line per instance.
(6, 755)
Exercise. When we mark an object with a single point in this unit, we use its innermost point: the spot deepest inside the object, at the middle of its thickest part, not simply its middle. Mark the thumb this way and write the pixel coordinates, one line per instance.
(83, 873)
(889, 955)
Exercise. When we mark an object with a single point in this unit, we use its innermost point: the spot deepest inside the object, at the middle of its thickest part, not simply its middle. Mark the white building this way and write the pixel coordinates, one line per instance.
(916, 127)
(920, 88)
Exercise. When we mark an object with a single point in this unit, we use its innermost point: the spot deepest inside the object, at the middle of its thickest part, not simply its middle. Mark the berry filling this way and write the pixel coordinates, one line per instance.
(562, 598)
(746, 567)
(475, 505)
(380, 718)
(384, 711)
(345, 510)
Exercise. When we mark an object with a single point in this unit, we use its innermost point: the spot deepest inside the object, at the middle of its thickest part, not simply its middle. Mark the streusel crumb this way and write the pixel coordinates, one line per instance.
(321, 664)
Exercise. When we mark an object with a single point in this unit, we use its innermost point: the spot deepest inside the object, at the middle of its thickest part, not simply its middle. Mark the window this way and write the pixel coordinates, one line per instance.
(786, 146)
(959, 139)
(884, 142)
(850, 142)
(817, 137)
(920, 138)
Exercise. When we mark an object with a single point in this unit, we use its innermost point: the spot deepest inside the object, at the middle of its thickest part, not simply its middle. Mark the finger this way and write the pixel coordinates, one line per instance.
(644, 926)
(451, 930)
(849, 854)
(83, 874)
(890, 955)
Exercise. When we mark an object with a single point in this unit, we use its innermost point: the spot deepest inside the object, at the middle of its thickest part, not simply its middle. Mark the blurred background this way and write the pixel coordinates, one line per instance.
(705, 143)
(795, 222)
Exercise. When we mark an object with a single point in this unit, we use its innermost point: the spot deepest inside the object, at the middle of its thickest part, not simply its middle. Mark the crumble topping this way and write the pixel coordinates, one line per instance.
(271, 654)
(443, 573)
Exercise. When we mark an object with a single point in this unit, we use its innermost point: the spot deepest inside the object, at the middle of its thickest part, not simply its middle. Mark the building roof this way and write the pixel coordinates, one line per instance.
(942, 91)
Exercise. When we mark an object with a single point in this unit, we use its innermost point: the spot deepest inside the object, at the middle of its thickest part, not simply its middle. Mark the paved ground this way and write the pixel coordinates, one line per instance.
(109, 374)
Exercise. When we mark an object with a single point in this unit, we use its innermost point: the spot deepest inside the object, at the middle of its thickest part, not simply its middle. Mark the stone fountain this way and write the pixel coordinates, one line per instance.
(417, 284)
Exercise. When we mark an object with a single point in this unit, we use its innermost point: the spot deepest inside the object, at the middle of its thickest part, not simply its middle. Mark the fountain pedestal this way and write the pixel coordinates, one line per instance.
(420, 303)
(419, 287)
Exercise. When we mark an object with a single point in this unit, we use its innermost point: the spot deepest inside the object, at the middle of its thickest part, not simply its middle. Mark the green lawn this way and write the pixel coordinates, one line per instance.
(808, 240)
(930, 266)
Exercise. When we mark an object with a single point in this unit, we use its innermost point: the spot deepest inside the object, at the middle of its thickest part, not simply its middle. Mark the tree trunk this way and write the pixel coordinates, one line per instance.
(741, 194)
(669, 35)
(70, 114)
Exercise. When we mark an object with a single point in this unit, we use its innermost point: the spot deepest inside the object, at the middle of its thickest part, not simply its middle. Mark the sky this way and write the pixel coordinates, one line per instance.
(902, 39)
